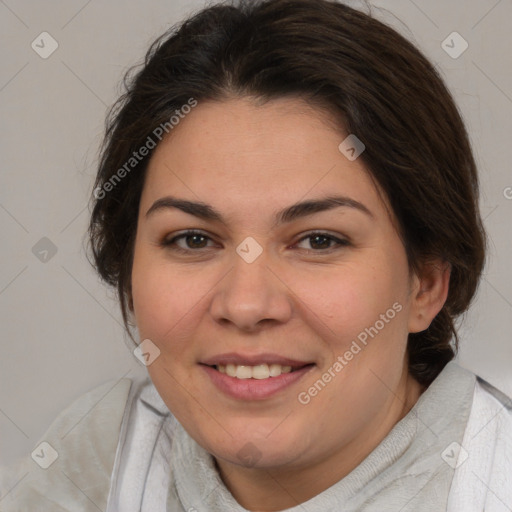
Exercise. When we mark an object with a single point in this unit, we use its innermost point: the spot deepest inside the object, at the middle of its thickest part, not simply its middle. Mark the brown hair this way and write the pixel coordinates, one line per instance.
(381, 87)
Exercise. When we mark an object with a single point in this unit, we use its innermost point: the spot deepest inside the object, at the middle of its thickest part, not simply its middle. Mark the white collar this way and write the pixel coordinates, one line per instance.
(159, 468)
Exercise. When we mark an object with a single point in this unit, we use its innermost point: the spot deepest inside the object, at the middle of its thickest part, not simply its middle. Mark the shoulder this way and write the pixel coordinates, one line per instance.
(483, 474)
(492, 411)
(493, 394)
(492, 419)
(70, 466)
(490, 422)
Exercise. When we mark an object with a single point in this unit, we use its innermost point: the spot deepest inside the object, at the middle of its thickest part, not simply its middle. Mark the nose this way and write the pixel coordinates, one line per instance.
(251, 296)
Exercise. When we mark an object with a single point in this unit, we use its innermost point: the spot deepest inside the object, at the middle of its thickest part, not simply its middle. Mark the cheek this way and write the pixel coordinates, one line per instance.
(158, 298)
(349, 300)
(168, 300)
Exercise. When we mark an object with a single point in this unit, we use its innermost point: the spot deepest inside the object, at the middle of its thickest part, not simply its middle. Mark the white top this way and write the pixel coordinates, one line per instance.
(130, 454)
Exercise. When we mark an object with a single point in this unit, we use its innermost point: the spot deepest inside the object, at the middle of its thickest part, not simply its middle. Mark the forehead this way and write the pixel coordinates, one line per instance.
(249, 156)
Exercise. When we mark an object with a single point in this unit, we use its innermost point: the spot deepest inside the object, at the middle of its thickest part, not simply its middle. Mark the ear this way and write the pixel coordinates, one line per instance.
(429, 290)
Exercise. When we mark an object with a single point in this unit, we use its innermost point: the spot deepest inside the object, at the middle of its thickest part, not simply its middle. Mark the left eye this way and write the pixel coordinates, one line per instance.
(323, 241)
(196, 240)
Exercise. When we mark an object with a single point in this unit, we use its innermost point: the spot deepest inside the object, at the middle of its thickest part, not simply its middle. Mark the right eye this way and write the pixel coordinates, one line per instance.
(193, 241)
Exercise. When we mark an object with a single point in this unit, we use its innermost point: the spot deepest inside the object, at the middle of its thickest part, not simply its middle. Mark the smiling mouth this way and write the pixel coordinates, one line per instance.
(259, 372)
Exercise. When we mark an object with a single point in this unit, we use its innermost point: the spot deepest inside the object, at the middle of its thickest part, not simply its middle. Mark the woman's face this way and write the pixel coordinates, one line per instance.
(268, 282)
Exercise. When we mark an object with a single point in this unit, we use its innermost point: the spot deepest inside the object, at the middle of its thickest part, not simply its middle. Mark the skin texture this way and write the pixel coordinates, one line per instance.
(297, 299)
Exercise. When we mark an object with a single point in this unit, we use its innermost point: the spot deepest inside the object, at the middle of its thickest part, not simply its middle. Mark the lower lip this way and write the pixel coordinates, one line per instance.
(254, 389)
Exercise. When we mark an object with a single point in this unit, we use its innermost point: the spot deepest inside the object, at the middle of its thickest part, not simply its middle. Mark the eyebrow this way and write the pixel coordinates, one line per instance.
(288, 214)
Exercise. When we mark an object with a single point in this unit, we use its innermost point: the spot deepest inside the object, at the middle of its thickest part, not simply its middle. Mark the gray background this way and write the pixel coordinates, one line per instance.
(61, 329)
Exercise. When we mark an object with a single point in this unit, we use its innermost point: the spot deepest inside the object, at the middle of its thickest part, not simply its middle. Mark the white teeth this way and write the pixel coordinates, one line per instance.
(260, 371)
(275, 370)
(243, 372)
(230, 370)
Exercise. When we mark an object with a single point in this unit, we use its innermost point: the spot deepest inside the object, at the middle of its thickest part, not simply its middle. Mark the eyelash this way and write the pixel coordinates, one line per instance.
(170, 244)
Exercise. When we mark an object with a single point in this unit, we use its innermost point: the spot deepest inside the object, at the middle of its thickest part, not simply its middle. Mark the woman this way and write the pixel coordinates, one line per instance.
(287, 205)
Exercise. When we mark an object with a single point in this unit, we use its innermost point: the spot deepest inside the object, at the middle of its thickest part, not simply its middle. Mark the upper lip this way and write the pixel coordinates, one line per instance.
(253, 360)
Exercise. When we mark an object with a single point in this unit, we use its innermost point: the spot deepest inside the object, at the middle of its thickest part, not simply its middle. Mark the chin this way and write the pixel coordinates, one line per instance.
(255, 450)
(258, 456)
